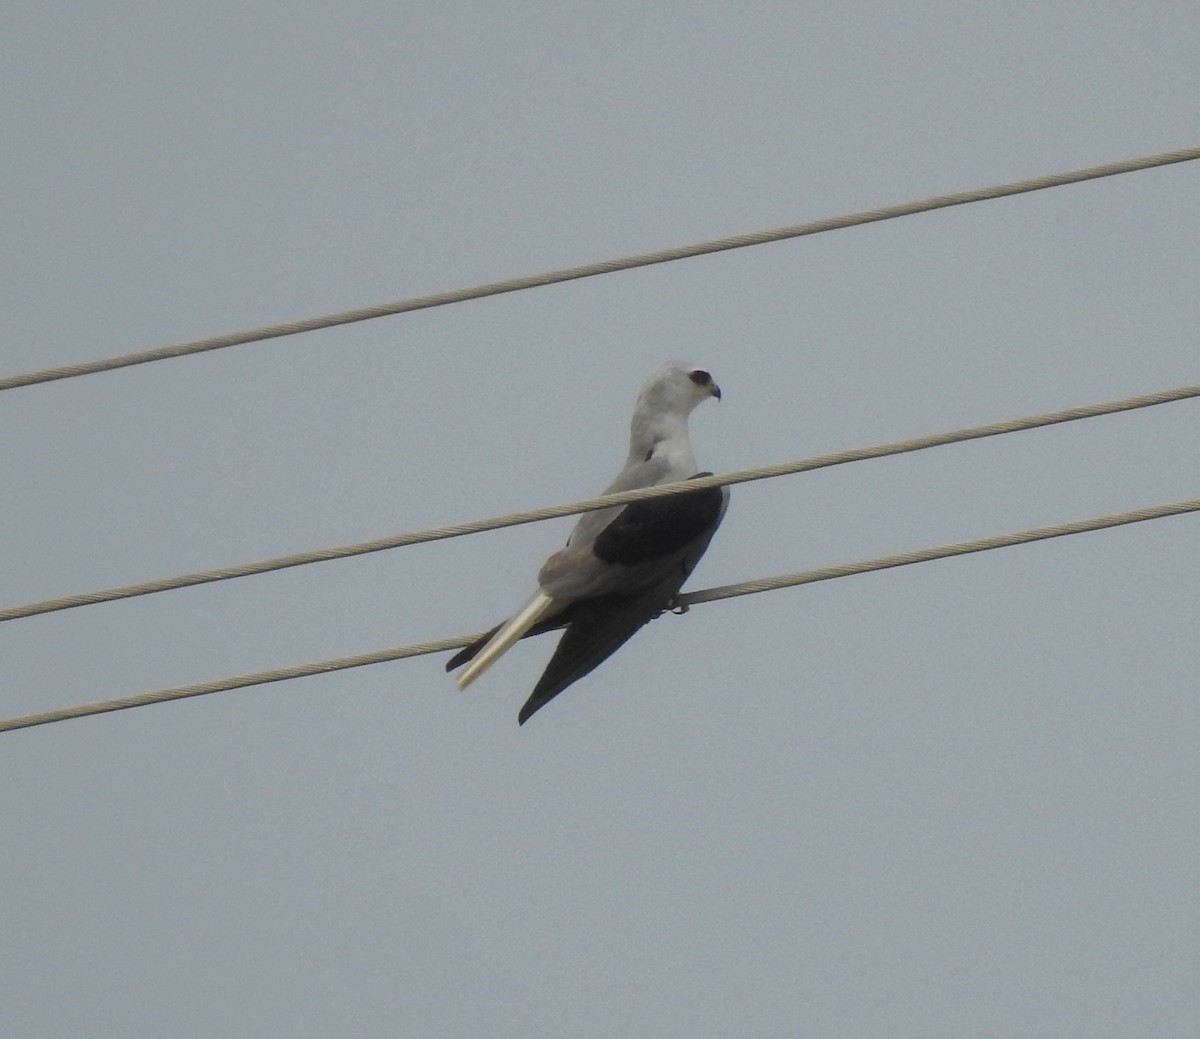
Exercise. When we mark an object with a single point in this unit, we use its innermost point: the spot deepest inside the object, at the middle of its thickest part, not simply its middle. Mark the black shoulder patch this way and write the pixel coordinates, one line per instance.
(652, 529)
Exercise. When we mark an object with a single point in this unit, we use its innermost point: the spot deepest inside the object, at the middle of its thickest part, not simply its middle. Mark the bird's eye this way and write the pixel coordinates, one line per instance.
(700, 378)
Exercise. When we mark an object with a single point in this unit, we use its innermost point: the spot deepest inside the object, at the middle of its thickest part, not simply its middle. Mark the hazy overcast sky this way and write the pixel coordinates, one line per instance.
(957, 799)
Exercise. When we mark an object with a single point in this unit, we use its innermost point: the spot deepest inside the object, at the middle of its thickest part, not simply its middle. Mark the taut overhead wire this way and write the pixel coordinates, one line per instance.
(495, 288)
(554, 511)
(707, 595)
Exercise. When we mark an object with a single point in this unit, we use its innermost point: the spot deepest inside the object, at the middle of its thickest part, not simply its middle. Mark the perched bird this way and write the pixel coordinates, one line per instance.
(622, 566)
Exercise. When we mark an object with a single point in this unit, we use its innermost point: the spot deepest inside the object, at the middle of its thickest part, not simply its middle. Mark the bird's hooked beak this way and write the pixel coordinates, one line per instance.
(716, 391)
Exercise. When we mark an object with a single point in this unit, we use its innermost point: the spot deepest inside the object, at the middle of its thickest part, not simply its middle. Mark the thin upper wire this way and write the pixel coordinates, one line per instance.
(495, 288)
(550, 512)
(827, 573)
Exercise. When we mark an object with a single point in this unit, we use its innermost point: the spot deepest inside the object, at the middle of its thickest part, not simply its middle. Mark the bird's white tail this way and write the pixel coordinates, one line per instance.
(533, 611)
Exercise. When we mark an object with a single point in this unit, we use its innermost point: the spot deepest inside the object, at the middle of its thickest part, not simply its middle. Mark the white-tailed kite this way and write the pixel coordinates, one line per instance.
(624, 565)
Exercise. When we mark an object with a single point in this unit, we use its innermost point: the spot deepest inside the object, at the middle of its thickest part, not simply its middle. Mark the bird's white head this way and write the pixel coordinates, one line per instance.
(676, 387)
(659, 427)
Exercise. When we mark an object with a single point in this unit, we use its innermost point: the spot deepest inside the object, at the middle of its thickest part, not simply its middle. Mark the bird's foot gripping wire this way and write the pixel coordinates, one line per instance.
(676, 607)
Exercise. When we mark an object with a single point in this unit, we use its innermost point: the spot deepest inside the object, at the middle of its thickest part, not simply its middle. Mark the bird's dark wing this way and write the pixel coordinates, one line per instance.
(659, 542)
(652, 547)
(601, 626)
(658, 531)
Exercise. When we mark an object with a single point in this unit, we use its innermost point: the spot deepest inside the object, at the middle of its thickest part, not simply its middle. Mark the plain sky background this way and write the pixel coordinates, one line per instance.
(954, 799)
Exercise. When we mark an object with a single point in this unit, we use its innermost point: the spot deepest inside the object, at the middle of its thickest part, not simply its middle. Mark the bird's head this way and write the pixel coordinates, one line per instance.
(677, 387)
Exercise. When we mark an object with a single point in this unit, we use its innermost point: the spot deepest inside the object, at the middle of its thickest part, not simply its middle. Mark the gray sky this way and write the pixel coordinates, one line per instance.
(954, 799)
